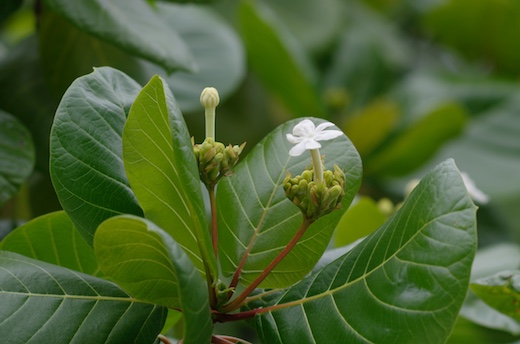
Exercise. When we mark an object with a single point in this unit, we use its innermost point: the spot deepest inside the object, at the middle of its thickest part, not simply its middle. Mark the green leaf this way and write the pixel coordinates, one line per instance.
(150, 265)
(413, 146)
(360, 220)
(278, 60)
(16, 156)
(62, 66)
(86, 162)
(162, 170)
(131, 25)
(204, 31)
(501, 291)
(403, 284)
(53, 239)
(44, 303)
(254, 210)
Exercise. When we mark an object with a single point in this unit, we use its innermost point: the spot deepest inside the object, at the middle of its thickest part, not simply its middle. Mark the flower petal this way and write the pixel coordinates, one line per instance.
(298, 149)
(304, 129)
(294, 139)
(327, 135)
(322, 126)
(311, 144)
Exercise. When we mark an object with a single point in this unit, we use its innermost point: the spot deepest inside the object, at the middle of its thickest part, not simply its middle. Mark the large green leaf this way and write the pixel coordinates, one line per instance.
(86, 162)
(44, 303)
(204, 31)
(161, 167)
(131, 25)
(52, 238)
(16, 155)
(253, 209)
(403, 284)
(278, 60)
(145, 260)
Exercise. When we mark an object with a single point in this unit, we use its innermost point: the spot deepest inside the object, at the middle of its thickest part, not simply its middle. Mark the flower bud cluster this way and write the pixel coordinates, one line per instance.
(316, 199)
(216, 160)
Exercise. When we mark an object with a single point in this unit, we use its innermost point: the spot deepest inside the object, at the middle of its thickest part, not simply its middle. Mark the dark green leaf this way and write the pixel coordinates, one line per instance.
(278, 60)
(21, 78)
(217, 51)
(131, 25)
(8, 7)
(16, 156)
(146, 261)
(162, 170)
(86, 149)
(82, 52)
(403, 284)
(254, 210)
(53, 239)
(44, 303)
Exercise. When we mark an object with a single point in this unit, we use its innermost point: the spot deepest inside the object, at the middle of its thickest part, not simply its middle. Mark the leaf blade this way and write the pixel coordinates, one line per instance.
(393, 287)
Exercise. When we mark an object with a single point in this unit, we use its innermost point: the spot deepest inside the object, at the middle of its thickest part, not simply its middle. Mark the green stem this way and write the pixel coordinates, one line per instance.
(236, 303)
(210, 122)
(318, 167)
(214, 224)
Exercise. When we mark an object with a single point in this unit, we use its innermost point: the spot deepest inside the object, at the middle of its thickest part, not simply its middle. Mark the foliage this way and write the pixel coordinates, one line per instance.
(99, 109)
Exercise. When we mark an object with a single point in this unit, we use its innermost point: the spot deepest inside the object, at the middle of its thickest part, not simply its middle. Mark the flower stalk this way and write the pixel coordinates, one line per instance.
(209, 99)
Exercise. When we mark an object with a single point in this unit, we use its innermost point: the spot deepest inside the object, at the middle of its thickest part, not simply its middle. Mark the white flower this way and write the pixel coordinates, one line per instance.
(305, 136)
(473, 191)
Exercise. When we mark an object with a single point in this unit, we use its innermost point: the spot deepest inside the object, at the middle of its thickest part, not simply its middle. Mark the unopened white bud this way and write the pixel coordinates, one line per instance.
(209, 99)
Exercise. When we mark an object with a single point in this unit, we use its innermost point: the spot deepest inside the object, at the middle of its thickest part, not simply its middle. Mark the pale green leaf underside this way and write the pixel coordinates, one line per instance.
(160, 165)
(44, 303)
(145, 260)
(403, 284)
(52, 238)
(86, 162)
(252, 199)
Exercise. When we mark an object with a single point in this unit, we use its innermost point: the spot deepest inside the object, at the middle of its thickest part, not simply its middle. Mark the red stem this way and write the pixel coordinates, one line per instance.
(236, 303)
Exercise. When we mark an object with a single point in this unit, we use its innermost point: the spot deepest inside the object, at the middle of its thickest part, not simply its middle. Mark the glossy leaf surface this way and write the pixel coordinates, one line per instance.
(86, 149)
(52, 238)
(132, 25)
(161, 167)
(16, 155)
(258, 213)
(403, 284)
(43, 297)
(152, 267)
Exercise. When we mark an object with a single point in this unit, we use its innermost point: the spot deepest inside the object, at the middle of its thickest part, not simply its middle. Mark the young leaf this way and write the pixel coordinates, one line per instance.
(16, 155)
(161, 167)
(131, 25)
(86, 162)
(254, 209)
(145, 260)
(44, 303)
(405, 283)
(53, 239)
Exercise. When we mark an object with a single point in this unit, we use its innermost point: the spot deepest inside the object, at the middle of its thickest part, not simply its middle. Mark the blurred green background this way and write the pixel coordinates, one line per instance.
(411, 83)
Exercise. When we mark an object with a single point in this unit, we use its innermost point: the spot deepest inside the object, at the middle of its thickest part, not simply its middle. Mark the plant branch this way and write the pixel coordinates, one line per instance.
(236, 303)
